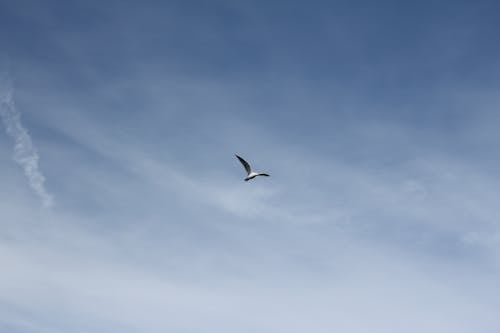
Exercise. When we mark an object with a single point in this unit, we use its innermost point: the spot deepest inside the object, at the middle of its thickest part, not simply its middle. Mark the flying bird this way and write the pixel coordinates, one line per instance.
(250, 173)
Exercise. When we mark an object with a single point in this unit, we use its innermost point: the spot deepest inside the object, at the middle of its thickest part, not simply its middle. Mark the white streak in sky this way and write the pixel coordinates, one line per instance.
(25, 154)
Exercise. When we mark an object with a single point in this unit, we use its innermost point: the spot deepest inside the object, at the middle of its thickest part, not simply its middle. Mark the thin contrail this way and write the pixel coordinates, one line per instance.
(25, 154)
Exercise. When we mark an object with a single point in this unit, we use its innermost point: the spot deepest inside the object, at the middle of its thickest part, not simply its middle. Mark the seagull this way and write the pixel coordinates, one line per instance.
(250, 173)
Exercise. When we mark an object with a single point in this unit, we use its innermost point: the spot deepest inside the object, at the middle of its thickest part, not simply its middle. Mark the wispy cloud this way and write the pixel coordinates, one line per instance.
(25, 153)
(381, 212)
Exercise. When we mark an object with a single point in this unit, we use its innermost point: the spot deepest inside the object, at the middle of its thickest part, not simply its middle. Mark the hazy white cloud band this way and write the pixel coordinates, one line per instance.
(25, 154)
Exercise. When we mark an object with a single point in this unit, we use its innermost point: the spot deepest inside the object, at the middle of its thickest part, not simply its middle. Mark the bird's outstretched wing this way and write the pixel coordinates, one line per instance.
(245, 164)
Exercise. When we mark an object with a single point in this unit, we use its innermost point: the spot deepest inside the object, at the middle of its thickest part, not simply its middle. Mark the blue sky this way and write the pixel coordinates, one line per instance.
(123, 208)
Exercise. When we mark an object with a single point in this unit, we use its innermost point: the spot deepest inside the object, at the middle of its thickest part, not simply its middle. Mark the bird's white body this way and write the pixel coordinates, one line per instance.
(250, 174)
